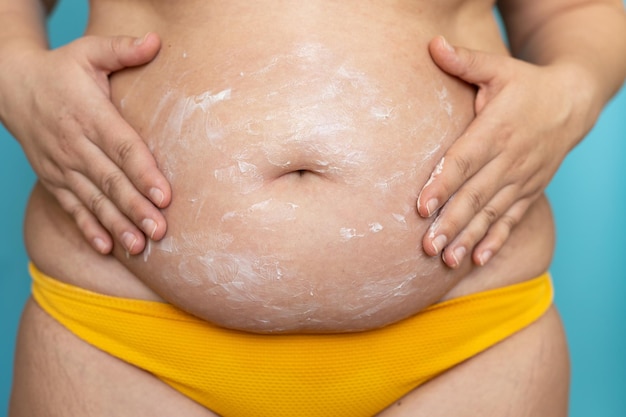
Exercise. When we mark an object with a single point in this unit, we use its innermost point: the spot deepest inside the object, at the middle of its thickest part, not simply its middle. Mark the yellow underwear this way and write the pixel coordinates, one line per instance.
(242, 374)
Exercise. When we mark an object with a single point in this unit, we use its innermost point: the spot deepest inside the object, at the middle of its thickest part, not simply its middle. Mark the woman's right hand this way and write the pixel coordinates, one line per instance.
(57, 104)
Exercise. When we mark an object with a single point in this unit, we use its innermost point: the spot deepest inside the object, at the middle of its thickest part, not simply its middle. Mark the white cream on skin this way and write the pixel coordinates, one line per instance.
(327, 132)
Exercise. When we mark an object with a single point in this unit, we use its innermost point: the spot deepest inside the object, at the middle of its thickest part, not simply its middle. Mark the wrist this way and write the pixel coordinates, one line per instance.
(584, 95)
(17, 59)
(13, 49)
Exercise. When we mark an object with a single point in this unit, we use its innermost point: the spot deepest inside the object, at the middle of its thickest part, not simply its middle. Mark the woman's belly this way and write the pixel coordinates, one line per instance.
(296, 154)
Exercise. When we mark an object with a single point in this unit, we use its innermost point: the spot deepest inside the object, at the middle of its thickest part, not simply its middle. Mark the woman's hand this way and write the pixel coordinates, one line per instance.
(57, 104)
(528, 118)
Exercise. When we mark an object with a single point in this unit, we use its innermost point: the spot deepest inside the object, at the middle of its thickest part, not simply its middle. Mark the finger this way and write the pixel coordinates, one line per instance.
(499, 233)
(113, 53)
(121, 228)
(115, 185)
(87, 223)
(99, 169)
(467, 203)
(132, 204)
(474, 148)
(121, 144)
(462, 161)
(119, 141)
(471, 66)
(464, 243)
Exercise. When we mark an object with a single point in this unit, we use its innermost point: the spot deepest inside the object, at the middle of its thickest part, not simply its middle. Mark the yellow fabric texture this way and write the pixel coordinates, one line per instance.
(238, 374)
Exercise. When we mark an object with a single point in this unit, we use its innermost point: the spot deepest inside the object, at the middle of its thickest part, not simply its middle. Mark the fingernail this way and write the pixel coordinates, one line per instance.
(139, 41)
(100, 245)
(149, 226)
(129, 240)
(431, 206)
(458, 254)
(439, 242)
(484, 257)
(445, 44)
(156, 196)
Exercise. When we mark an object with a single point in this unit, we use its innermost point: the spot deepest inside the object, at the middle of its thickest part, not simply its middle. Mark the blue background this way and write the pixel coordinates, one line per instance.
(588, 195)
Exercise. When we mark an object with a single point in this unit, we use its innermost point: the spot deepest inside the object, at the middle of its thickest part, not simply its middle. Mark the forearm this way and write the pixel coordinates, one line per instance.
(587, 36)
(22, 31)
(22, 24)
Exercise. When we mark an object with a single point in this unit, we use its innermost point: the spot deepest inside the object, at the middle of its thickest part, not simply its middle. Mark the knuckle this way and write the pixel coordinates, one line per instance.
(471, 61)
(491, 214)
(75, 210)
(508, 221)
(123, 151)
(474, 199)
(83, 221)
(112, 182)
(81, 216)
(143, 179)
(96, 202)
(500, 235)
(64, 143)
(474, 233)
(115, 44)
(462, 164)
(50, 173)
(517, 167)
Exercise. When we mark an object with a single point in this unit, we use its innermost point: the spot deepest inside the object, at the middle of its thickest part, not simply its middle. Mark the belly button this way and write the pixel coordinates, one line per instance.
(298, 173)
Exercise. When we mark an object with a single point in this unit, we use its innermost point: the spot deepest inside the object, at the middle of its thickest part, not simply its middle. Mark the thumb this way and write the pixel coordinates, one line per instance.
(113, 53)
(474, 67)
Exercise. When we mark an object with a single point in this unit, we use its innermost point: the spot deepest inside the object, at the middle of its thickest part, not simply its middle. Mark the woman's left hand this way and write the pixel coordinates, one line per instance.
(528, 118)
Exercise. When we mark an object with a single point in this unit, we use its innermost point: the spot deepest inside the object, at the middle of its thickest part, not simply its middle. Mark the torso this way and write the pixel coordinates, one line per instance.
(296, 137)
